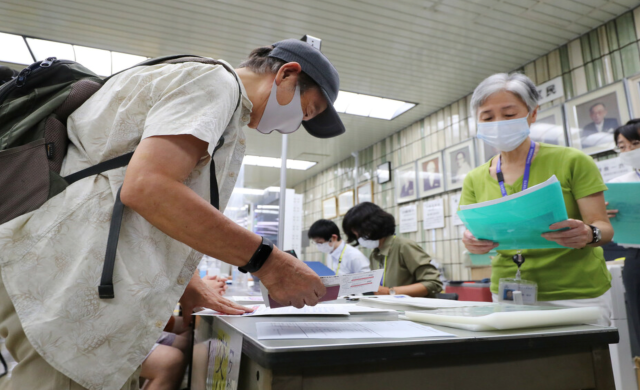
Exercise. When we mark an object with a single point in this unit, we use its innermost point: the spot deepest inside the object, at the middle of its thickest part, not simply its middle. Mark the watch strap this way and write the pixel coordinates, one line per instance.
(259, 257)
(596, 237)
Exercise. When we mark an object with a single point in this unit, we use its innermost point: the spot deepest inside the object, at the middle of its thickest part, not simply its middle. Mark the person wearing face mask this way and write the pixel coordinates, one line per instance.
(505, 106)
(407, 267)
(344, 258)
(627, 139)
(173, 115)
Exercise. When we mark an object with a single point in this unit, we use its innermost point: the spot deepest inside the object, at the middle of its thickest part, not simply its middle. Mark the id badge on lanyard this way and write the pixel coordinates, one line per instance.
(517, 290)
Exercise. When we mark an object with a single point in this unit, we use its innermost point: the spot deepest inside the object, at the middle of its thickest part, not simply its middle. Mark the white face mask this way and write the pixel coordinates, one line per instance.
(285, 119)
(631, 158)
(504, 135)
(325, 247)
(370, 244)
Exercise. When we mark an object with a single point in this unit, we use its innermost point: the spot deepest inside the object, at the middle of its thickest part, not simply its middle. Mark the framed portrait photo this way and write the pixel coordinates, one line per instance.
(593, 117)
(430, 175)
(459, 159)
(345, 202)
(365, 192)
(549, 127)
(330, 208)
(405, 183)
(383, 173)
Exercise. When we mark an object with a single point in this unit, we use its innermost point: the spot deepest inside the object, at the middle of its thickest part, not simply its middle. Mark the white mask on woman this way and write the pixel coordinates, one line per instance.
(504, 135)
(325, 247)
(370, 244)
(631, 158)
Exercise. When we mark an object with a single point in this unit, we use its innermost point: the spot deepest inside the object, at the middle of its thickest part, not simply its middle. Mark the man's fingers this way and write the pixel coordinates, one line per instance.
(569, 223)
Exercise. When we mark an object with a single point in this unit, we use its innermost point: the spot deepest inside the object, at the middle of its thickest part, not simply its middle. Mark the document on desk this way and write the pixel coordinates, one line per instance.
(625, 197)
(517, 221)
(339, 285)
(262, 310)
(345, 330)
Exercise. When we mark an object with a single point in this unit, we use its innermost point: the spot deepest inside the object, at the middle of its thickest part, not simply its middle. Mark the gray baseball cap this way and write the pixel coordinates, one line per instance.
(327, 124)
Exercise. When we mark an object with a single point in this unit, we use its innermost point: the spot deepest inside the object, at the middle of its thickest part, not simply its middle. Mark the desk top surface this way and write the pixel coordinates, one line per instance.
(270, 353)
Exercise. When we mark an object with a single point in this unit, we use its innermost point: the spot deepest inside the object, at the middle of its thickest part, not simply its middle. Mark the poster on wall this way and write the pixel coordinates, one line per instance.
(330, 208)
(612, 168)
(224, 357)
(460, 159)
(345, 202)
(430, 175)
(405, 183)
(549, 127)
(454, 203)
(409, 218)
(365, 192)
(593, 117)
(383, 173)
(433, 214)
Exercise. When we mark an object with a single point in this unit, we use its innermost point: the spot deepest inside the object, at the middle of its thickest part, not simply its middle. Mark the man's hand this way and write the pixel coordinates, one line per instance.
(290, 281)
(578, 236)
(217, 284)
(382, 291)
(475, 246)
(198, 294)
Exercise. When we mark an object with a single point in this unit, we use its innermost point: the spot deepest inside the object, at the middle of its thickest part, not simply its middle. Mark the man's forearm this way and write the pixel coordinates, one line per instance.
(180, 213)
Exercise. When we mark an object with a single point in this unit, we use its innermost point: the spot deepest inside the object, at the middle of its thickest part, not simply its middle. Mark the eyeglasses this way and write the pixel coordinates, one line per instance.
(624, 148)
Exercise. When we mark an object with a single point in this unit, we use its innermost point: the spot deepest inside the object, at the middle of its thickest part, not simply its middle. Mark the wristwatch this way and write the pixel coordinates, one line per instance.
(259, 257)
(597, 235)
(392, 291)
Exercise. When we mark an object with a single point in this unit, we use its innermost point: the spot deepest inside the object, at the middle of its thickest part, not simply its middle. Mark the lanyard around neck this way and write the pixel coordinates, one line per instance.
(340, 259)
(638, 173)
(527, 169)
(384, 275)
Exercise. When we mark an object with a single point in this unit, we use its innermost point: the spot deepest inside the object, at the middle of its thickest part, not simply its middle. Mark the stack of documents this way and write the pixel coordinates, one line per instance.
(345, 330)
(625, 197)
(405, 302)
(501, 317)
(319, 310)
(517, 221)
(339, 286)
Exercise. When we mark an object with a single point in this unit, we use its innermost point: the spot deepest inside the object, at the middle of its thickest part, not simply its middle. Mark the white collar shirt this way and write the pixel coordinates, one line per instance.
(353, 261)
(52, 258)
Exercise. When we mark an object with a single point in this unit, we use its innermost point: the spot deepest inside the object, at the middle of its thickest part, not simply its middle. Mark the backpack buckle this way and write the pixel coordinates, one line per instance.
(105, 291)
(47, 63)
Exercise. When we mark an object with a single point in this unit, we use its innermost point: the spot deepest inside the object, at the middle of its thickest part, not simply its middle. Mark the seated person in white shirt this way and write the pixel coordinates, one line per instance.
(345, 259)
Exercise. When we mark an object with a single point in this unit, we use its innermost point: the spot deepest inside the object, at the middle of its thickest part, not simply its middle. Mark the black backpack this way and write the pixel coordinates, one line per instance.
(34, 108)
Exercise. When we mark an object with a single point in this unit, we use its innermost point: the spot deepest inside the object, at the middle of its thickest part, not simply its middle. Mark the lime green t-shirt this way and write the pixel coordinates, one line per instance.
(560, 273)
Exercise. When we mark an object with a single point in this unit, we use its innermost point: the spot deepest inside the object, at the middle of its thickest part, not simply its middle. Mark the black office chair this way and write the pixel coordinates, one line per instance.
(449, 296)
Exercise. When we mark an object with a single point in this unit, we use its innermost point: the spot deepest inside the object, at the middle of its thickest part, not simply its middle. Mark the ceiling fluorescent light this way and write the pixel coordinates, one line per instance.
(276, 162)
(370, 106)
(43, 49)
(247, 191)
(122, 61)
(14, 49)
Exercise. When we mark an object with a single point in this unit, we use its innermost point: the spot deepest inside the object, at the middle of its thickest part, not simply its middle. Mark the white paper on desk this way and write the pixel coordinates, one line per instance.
(345, 330)
(361, 282)
(262, 310)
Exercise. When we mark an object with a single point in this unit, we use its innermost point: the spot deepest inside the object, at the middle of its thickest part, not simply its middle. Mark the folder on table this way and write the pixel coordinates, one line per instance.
(517, 221)
(625, 197)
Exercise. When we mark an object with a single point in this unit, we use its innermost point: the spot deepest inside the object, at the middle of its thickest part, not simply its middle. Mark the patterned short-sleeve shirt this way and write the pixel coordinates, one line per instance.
(52, 258)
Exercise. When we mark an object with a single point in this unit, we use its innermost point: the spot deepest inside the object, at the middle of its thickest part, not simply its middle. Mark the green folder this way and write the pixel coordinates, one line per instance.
(625, 197)
(517, 221)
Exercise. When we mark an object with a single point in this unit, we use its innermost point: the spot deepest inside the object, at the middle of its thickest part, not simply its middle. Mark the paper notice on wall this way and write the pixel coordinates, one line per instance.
(612, 168)
(338, 286)
(409, 218)
(433, 214)
(454, 202)
(224, 357)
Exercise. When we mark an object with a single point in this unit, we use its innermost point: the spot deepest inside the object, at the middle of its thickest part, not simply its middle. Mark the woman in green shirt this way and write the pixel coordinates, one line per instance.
(407, 267)
(505, 105)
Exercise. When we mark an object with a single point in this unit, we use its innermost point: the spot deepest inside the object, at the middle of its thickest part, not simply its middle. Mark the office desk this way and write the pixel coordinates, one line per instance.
(575, 357)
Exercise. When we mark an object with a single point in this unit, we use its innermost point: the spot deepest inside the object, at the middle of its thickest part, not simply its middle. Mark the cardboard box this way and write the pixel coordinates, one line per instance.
(636, 360)
(479, 273)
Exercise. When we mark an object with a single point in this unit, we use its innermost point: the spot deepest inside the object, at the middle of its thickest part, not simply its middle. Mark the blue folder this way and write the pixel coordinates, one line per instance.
(319, 268)
(625, 197)
(517, 221)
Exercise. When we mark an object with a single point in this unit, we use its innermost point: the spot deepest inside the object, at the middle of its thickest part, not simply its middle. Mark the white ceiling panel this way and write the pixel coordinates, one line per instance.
(427, 52)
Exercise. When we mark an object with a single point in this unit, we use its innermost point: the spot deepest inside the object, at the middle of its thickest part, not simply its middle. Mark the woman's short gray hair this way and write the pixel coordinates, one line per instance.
(517, 83)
